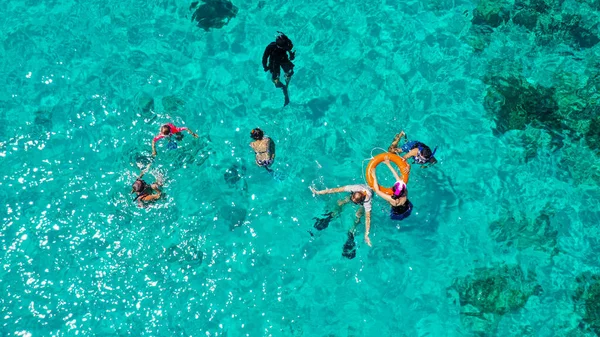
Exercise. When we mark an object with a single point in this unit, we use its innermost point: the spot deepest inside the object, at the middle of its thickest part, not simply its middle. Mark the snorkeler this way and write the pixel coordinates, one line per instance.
(168, 130)
(419, 152)
(146, 193)
(275, 56)
(359, 195)
(401, 206)
(264, 149)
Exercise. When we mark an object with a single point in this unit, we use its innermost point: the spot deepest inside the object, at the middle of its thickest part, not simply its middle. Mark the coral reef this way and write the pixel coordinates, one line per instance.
(544, 18)
(492, 292)
(587, 301)
(515, 103)
(514, 229)
(172, 103)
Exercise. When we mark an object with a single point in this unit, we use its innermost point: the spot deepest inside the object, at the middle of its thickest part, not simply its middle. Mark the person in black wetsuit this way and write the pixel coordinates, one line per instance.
(276, 57)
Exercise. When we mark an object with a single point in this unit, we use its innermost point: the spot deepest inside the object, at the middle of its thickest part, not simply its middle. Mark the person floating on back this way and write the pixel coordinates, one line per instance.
(276, 56)
(419, 152)
(167, 131)
(264, 149)
(359, 195)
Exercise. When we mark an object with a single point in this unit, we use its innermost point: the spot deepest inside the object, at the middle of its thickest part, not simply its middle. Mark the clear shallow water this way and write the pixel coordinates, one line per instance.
(232, 259)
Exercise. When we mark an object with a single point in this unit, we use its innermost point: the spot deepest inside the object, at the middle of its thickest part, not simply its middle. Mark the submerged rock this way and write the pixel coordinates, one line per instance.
(492, 292)
(172, 103)
(491, 13)
(213, 13)
(545, 18)
(587, 301)
(515, 229)
(566, 28)
(515, 103)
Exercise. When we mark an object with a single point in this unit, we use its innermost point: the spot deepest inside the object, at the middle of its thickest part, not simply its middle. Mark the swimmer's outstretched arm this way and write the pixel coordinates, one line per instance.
(387, 162)
(377, 189)
(328, 191)
(153, 148)
(191, 133)
(144, 171)
(272, 148)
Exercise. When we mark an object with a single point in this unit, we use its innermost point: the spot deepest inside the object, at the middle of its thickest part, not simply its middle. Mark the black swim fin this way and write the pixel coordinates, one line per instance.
(285, 95)
(323, 223)
(349, 249)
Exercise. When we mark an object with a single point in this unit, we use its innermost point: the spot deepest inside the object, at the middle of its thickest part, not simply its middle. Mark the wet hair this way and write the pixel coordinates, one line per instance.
(360, 197)
(165, 128)
(139, 186)
(426, 152)
(257, 134)
(283, 42)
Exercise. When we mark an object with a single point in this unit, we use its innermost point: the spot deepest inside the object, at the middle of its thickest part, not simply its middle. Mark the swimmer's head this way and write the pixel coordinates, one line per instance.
(257, 134)
(399, 190)
(426, 152)
(139, 186)
(165, 130)
(358, 198)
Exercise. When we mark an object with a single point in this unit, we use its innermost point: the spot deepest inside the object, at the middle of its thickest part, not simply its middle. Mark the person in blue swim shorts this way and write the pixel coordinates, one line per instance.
(419, 152)
(401, 206)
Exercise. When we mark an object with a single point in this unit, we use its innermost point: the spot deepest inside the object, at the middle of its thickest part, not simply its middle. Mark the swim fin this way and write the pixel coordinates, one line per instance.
(349, 249)
(323, 223)
(285, 95)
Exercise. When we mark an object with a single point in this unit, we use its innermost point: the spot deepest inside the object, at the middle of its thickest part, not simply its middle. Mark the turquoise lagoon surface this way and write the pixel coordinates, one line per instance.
(503, 239)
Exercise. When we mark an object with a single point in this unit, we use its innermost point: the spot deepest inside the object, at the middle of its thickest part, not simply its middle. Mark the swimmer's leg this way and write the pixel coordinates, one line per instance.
(288, 68)
(394, 146)
(323, 222)
(349, 248)
(275, 76)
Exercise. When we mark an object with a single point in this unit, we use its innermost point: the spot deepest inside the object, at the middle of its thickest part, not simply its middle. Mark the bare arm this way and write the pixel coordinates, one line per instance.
(411, 153)
(153, 197)
(367, 227)
(191, 133)
(377, 189)
(144, 171)
(272, 148)
(266, 55)
(153, 148)
(387, 163)
(327, 191)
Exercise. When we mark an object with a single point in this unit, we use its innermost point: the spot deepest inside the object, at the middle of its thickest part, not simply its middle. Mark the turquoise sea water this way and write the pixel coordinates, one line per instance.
(227, 251)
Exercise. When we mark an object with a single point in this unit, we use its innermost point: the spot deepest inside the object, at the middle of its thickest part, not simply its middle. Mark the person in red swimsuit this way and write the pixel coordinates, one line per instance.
(166, 131)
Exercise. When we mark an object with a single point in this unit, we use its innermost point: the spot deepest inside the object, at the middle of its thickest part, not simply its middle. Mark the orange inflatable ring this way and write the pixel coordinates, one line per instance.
(400, 162)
